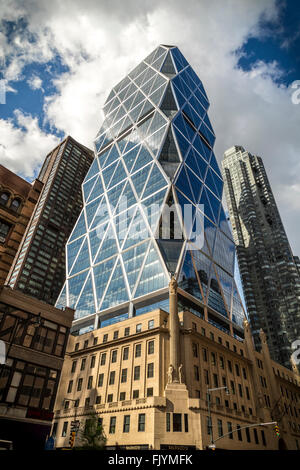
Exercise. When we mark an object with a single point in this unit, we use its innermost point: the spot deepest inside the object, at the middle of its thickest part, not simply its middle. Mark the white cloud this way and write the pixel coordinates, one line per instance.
(24, 146)
(101, 41)
(35, 83)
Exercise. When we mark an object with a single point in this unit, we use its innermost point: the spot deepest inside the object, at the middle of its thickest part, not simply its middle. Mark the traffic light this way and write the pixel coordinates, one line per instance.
(277, 431)
(72, 438)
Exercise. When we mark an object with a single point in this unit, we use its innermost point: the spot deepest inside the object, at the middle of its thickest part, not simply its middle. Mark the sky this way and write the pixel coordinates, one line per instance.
(59, 61)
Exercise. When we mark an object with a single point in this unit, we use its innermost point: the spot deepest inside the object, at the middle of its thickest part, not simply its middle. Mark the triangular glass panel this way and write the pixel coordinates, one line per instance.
(179, 97)
(183, 184)
(152, 208)
(74, 287)
(108, 247)
(214, 183)
(202, 164)
(139, 179)
(196, 185)
(122, 222)
(94, 169)
(96, 237)
(102, 274)
(102, 213)
(168, 105)
(215, 299)
(215, 205)
(210, 234)
(188, 212)
(204, 200)
(224, 224)
(113, 196)
(80, 227)
(103, 157)
(129, 158)
(154, 141)
(86, 303)
(116, 292)
(157, 122)
(153, 276)
(91, 209)
(224, 252)
(188, 280)
(83, 259)
(170, 250)
(203, 268)
(87, 187)
(138, 231)
(177, 60)
(126, 200)
(183, 144)
(191, 161)
(119, 175)
(72, 251)
(97, 190)
(146, 108)
(144, 157)
(168, 66)
(214, 164)
(155, 182)
(132, 140)
(157, 95)
(108, 173)
(169, 158)
(158, 62)
(133, 260)
(135, 112)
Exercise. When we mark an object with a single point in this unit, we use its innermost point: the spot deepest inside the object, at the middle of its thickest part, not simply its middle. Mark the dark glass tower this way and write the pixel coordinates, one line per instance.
(39, 266)
(269, 272)
(154, 151)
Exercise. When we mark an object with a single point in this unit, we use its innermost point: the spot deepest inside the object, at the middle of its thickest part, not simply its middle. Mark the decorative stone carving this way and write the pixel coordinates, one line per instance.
(173, 285)
(181, 374)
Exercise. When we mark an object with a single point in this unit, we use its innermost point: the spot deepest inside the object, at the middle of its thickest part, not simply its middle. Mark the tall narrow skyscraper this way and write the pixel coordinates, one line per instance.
(268, 269)
(154, 150)
(39, 267)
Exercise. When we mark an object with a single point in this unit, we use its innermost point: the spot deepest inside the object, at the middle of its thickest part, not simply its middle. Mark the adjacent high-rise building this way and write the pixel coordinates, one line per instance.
(269, 272)
(17, 200)
(154, 152)
(39, 267)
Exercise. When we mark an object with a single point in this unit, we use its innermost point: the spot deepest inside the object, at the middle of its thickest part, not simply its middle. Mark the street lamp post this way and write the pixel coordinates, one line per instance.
(209, 390)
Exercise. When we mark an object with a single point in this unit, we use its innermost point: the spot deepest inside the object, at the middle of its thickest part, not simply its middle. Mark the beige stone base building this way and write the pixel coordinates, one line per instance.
(122, 373)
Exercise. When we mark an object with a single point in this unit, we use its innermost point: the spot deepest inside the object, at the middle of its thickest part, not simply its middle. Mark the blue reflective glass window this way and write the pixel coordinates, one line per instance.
(72, 251)
(108, 173)
(95, 239)
(152, 207)
(97, 190)
(80, 227)
(224, 252)
(129, 158)
(108, 247)
(157, 122)
(176, 58)
(102, 158)
(183, 184)
(94, 169)
(191, 161)
(91, 208)
(214, 164)
(86, 303)
(196, 185)
(182, 142)
(133, 260)
(154, 141)
(101, 214)
(87, 187)
(62, 299)
(153, 276)
(144, 157)
(74, 287)
(188, 280)
(126, 200)
(206, 205)
(201, 98)
(202, 164)
(122, 222)
(83, 259)
(116, 292)
(119, 175)
(210, 233)
(158, 62)
(146, 108)
(197, 106)
(215, 205)
(180, 98)
(102, 274)
(155, 182)
(135, 112)
(139, 179)
(137, 232)
(113, 196)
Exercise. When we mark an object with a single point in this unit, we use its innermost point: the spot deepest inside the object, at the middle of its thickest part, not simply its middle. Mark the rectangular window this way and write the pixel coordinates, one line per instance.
(135, 394)
(263, 438)
(255, 436)
(125, 354)
(116, 334)
(112, 425)
(237, 370)
(168, 422)
(248, 435)
(98, 399)
(90, 382)
(208, 425)
(247, 393)
(150, 324)
(240, 390)
(86, 343)
(114, 356)
(79, 385)
(150, 370)
(229, 366)
(70, 386)
(83, 364)
(220, 428)
(206, 377)
(213, 359)
(221, 362)
(93, 361)
(177, 427)
(150, 392)
(136, 375)
(229, 429)
(244, 373)
(126, 425)
(122, 396)
(239, 432)
(105, 338)
(124, 376)
(64, 429)
(151, 347)
(110, 398)
(138, 350)
(196, 373)
(103, 359)
(195, 349)
(138, 328)
(127, 331)
(204, 354)
(216, 381)
(141, 422)
(100, 380)
(232, 387)
(74, 363)
(87, 402)
(112, 377)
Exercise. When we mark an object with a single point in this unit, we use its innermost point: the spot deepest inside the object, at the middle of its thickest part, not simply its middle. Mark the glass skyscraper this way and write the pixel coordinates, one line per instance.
(154, 151)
